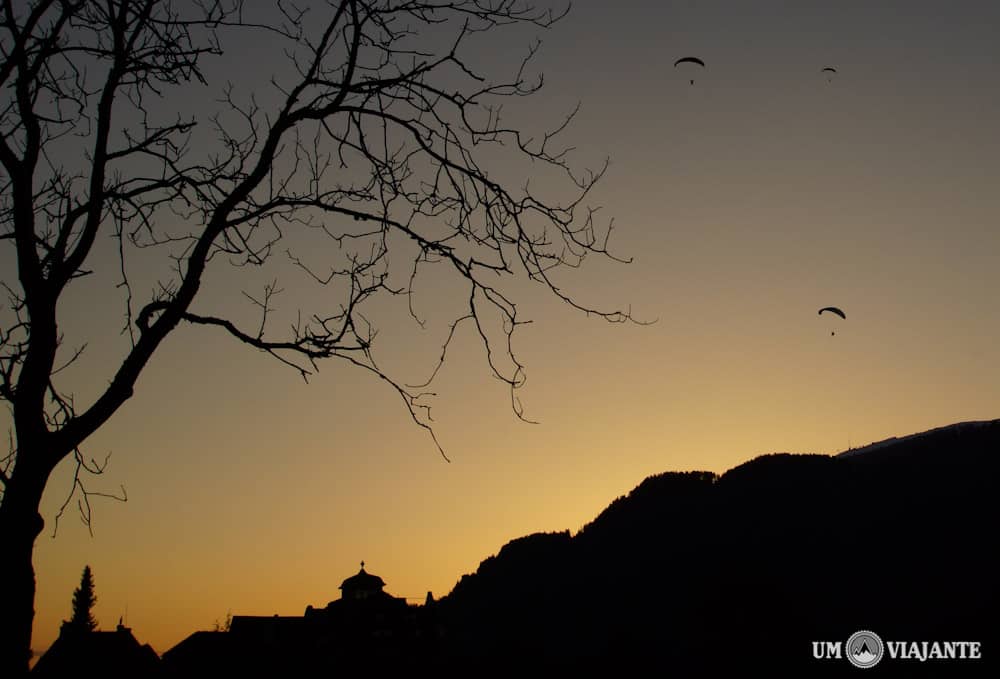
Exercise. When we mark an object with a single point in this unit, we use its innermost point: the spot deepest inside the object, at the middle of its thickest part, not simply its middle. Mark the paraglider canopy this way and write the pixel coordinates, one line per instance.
(689, 60)
(830, 71)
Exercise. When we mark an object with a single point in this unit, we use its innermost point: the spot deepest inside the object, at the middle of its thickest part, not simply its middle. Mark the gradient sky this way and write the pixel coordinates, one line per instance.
(748, 201)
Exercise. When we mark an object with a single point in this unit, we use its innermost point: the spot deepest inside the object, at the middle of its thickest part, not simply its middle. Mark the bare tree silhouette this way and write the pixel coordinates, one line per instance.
(377, 141)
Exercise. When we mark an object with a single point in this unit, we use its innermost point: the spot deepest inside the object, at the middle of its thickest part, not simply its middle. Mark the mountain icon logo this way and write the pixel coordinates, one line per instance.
(864, 649)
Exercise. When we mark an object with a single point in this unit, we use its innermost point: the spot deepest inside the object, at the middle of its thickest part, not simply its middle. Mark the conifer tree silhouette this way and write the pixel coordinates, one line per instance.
(83, 603)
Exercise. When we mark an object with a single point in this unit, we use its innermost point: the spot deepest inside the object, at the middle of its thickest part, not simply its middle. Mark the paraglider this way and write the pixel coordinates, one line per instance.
(833, 310)
(830, 71)
(689, 60)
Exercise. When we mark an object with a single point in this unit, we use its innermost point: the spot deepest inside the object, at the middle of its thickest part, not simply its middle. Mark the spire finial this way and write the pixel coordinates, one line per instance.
(362, 565)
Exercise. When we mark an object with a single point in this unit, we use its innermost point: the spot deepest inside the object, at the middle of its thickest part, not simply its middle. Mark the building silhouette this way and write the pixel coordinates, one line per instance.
(96, 653)
(365, 629)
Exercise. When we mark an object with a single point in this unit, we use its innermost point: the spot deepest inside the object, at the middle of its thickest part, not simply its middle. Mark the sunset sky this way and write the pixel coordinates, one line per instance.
(748, 201)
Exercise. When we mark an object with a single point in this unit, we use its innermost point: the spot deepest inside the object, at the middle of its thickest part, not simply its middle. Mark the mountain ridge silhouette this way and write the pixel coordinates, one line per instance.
(699, 572)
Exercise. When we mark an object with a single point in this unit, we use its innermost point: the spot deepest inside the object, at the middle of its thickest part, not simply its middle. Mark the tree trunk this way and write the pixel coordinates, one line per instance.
(20, 524)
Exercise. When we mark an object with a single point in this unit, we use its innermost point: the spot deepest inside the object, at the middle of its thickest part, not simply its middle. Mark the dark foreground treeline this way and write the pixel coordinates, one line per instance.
(698, 575)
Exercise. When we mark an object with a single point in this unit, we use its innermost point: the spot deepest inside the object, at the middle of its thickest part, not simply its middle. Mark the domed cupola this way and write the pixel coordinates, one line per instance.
(361, 586)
